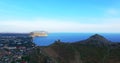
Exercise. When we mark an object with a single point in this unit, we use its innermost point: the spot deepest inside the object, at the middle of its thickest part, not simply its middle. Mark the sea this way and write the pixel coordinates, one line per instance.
(72, 37)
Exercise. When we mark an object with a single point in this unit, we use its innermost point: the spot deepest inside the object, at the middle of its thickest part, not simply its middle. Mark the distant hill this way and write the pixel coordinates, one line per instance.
(96, 39)
(95, 49)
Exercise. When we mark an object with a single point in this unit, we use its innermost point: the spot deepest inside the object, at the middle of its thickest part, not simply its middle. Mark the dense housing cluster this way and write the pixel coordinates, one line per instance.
(14, 47)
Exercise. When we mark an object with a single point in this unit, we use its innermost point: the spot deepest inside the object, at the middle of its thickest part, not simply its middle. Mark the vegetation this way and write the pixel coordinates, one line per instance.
(96, 49)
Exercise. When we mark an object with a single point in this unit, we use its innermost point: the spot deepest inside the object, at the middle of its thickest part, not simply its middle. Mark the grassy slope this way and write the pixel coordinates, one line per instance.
(76, 53)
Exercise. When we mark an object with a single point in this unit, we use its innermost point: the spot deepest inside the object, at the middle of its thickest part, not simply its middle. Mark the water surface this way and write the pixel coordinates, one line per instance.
(72, 37)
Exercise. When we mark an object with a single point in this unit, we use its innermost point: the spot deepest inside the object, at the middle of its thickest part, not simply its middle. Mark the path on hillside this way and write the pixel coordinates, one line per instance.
(107, 55)
(77, 56)
(47, 55)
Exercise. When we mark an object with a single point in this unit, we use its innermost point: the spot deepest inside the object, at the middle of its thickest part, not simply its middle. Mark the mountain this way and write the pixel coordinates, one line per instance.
(96, 40)
(95, 49)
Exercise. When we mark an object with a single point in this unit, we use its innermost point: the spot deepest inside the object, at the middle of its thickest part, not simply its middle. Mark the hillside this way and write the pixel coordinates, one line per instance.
(95, 49)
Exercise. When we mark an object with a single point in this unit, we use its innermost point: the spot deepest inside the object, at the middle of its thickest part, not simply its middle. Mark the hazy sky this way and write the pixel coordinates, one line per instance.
(60, 16)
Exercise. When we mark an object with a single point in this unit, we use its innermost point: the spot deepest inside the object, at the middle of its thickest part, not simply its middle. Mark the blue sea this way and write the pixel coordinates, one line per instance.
(72, 37)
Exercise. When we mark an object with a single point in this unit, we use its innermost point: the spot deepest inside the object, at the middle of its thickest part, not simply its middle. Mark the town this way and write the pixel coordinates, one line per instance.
(14, 47)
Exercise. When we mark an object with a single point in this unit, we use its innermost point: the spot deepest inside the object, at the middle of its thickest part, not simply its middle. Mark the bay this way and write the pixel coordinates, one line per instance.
(72, 37)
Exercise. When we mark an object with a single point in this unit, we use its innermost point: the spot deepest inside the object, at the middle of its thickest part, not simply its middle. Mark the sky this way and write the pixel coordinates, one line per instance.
(86, 16)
